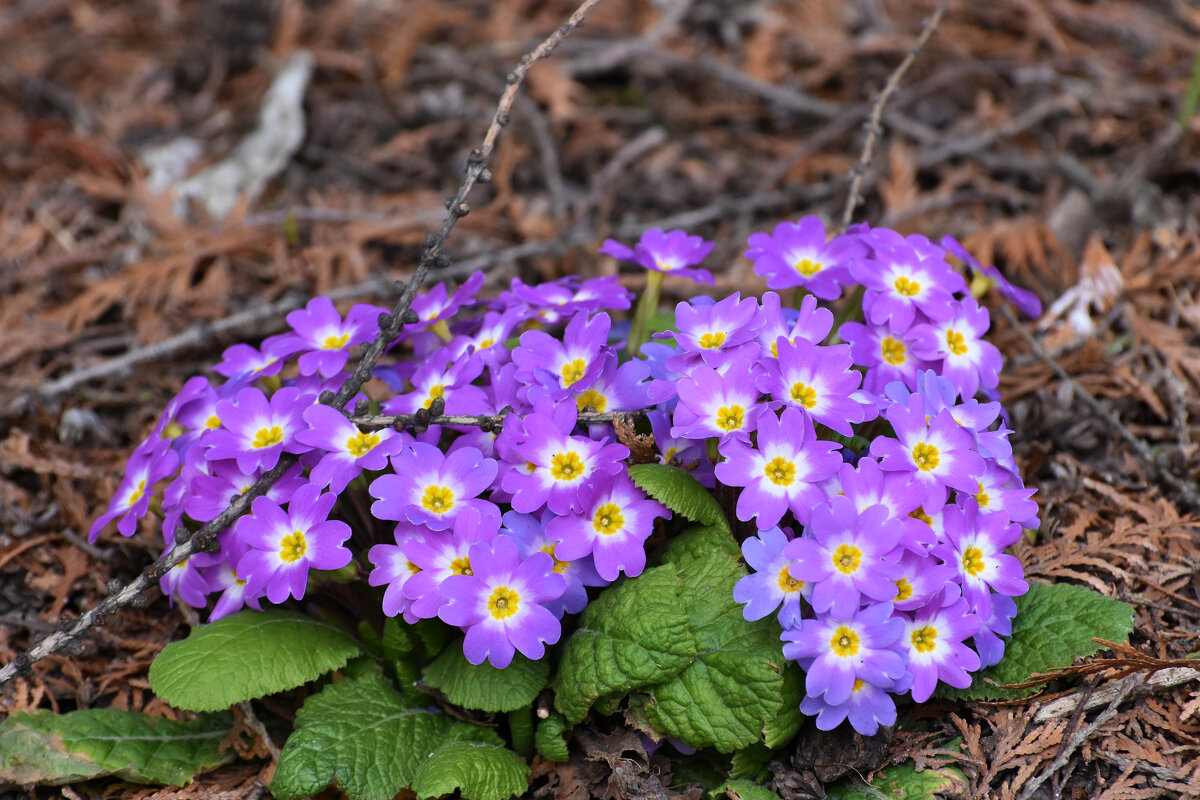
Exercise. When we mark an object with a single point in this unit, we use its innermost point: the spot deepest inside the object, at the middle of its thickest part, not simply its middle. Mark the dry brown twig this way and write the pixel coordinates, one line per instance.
(187, 543)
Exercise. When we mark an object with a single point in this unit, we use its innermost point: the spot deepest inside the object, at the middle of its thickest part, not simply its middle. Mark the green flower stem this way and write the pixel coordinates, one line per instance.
(852, 311)
(798, 297)
(647, 305)
(714, 455)
(520, 726)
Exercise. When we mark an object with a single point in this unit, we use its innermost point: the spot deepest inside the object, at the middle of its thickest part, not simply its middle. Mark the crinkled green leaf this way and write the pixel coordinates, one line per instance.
(1054, 625)
(551, 737)
(680, 492)
(479, 771)
(903, 782)
(742, 790)
(635, 634)
(483, 687)
(247, 655)
(750, 763)
(367, 738)
(734, 689)
(42, 747)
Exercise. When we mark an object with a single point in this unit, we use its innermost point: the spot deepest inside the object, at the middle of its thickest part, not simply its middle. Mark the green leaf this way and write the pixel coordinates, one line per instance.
(680, 492)
(480, 771)
(367, 738)
(734, 690)
(247, 655)
(1054, 625)
(551, 738)
(484, 687)
(47, 748)
(750, 763)
(634, 635)
(903, 782)
(742, 790)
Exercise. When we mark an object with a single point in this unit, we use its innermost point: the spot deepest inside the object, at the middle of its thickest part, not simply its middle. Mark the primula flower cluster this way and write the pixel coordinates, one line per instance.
(870, 455)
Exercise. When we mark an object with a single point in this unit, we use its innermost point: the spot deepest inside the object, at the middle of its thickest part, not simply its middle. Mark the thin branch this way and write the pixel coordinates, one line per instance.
(874, 127)
(391, 325)
(377, 421)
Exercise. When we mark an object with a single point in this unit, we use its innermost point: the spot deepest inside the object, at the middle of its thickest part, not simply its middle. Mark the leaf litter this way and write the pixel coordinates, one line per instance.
(1041, 135)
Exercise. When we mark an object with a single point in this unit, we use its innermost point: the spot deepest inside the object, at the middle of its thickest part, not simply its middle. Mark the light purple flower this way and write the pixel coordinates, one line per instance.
(974, 546)
(152, 461)
(324, 339)
(393, 569)
(673, 252)
(713, 332)
(432, 488)
(900, 283)
(847, 556)
(887, 355)
(285, 545)
(769, 585)
(209, 494)
(715, 405)
(796, 254)
(241, 363)
(618, 387)
(867, 708)
(500, 603)
(818, 381)
(966, 359)
(812, 323)
(257, 430)
(348, 450)
(934, 639)
(837, 651)
(435, 306)
(1026, 301)
(987, 640)
(614, 522)
(555, 368)
(687, 454)
(782, 473)
(531, 535)
(438, 556)
(866, 484)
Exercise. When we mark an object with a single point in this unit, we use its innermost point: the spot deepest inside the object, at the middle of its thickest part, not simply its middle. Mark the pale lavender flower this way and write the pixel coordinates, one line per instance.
(796, 254)
(673, 252)
(614, 522)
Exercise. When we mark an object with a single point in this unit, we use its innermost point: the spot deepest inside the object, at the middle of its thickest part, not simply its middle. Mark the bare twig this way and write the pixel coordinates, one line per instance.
(391, 325)
(853, 198)
(376, 421)
(1162, 679)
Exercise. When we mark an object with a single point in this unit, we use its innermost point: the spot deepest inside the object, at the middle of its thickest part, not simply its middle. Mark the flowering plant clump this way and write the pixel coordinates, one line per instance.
(853, 420)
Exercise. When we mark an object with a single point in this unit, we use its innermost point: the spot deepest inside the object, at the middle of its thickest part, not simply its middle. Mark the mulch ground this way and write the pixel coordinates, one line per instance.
(1041, 134)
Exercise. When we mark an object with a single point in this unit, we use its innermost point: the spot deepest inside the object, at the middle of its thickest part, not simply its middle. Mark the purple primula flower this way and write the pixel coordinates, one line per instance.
(713, 332)
(796, 254)
(812, 323)
(432, 488)
(434, 306)
(560, 465)
(618, 387)
(867, 708)
(152, 461)
(616, 519)
(393, 569)
(210, 493)
(447, 377)
(888, 356)
(987, 640)
(816, 380)
(924, 580)
(171, 423)
(604, 292)
(494, 331)
(1026, 301)
(500, 603)
(285, 545)
(770, 585)
(324, 339)
(673, 252)
(715, 405)
(687, 454)
(438, 556)
(242, 363)
(866, 484)
(900, 283)
(966, 359)
(185, 580)
(847, 556)
(547, 303)
(1001, 492)
(974, 546)
(531, 535)
(348, 451)
(934, 639)
(937, 452)
(556, 368)
(782, 472)
(839, 650)
(224, 578)
(257, 430)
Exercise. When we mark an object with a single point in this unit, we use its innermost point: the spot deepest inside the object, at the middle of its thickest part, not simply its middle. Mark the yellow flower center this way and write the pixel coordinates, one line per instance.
(485, 344)
(436, 392)
(780, 471)
(293, 547)
(925, 456)
(437, 499)
(858, 685)
(904, 591)
(608, 519)
(920, 514)
(665, 266)
(787, 583)
(924, 640)
(591, 399)
(461, 566)
(956, 342)
(137, 493)
(333, 342)
(566, 466)
(807, 267)
(267, 437)
(559, 566)
(982, 497)
(573, 371)
(713, 340)
(730, 418)
(906, 287)
(503, 602)
(844, 642)
(972, 561)
(893, 351)
(847, 559)
(362, 443)
(804, 394)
